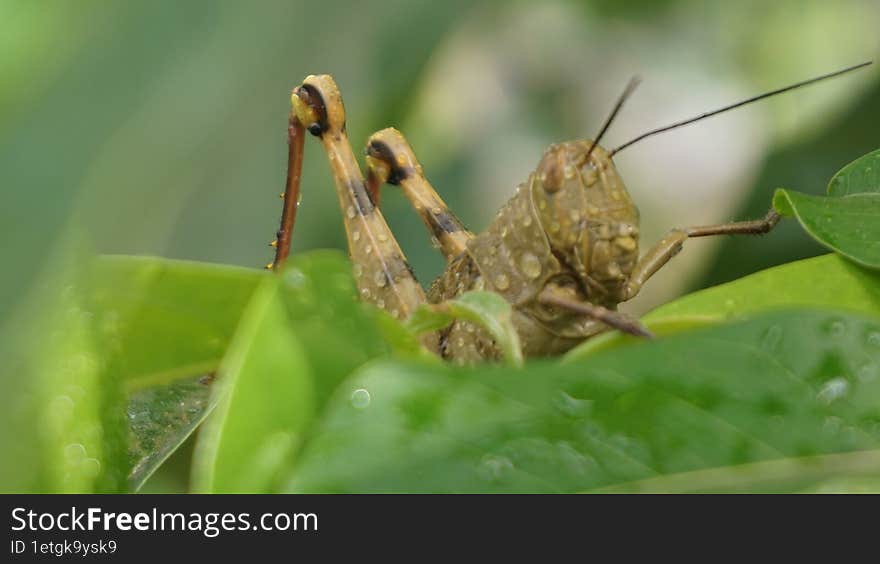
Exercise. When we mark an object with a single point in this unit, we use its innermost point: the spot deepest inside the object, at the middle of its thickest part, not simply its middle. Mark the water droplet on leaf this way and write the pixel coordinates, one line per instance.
(833, 389)
(360, 398)
(493, 468)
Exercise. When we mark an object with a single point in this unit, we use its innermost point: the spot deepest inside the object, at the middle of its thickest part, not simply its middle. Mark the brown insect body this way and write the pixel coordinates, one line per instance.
(571, 227)
(564, 251)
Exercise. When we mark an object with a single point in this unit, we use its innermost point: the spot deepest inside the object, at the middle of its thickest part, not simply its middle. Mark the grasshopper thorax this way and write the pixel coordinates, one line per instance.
(590, 221)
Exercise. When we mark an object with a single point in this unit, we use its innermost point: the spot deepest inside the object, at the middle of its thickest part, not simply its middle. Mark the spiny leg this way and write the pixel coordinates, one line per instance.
(672, 243)
(295, 136)
(390, 159)
(384, 278)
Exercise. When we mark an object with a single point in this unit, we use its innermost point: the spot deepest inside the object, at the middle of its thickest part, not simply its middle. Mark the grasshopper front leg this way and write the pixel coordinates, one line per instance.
(672, 243)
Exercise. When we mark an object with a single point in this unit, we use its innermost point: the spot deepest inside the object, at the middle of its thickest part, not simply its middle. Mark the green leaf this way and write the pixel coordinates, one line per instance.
(301, 335)
(848, 220)
(826, 281)
(160, 420)
(822, 282)
(164, 325)
(786, 387)
(858, 177)
(830, 473)
(62, 425)
(856, 483)
(265, 400)
(849, 225)
(165, 319)
(487, 310)
(82, 421)
(339, 332)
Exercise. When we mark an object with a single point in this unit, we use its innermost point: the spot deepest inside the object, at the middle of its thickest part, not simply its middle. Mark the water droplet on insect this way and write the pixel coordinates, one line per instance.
(504, 231)
(502, 282)
(395, 312)
(554, 227)
(380, 303)
(435, 242)
(530, 265)
(380, 279)
(360, 398)
(355, 236)
(382, 237)
(436, 210)
(358, 270)
(575, 215)
(460, 342)
(833, 389)
(368, 249)
(527, 220)
(365, 293)
(542, 204)
(628, 244)
(350, 212)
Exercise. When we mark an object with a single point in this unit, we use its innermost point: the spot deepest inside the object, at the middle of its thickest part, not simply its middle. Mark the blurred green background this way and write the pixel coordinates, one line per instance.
(162, 123)
(159, 127)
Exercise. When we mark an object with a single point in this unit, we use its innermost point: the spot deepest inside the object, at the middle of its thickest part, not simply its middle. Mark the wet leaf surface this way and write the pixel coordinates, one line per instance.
(782, 387)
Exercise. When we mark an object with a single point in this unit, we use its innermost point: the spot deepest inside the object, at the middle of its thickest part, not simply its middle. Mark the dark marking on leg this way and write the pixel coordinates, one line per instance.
(380, 150)
(313, 99)
(362, 198)
(446, 221)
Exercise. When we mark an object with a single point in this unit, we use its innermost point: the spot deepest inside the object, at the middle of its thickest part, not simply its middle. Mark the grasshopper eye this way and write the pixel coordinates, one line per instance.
(550, 170)
(551, 188)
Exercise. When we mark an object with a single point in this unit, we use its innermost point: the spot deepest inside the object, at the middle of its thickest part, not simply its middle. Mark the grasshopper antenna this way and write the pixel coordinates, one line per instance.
(736, 105)
(630, 87)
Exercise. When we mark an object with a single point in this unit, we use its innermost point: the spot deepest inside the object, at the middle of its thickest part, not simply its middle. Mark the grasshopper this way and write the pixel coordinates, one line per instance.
(564, 251)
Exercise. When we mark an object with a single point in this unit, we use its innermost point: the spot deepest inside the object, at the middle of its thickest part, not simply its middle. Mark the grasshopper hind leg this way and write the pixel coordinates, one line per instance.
(391, 160)
(383, 276)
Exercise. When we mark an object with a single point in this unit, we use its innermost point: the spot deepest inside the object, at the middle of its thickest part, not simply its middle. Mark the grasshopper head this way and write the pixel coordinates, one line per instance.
(587, 214)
